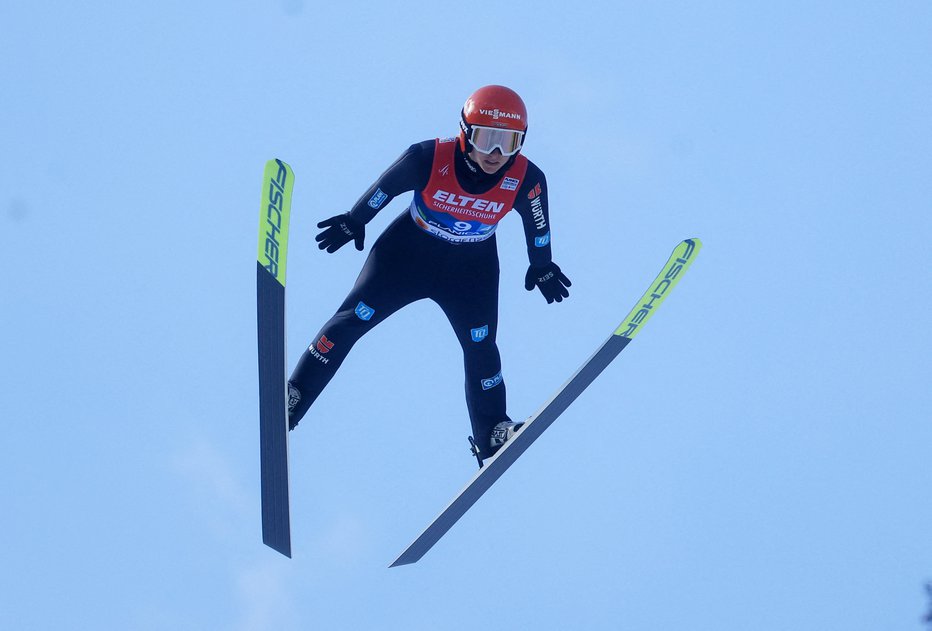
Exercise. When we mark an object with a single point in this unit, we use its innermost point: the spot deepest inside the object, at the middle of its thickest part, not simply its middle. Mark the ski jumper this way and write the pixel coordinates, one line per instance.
(442, 247)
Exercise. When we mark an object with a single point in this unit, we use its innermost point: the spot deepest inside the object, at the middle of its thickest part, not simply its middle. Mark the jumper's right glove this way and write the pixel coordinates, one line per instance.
(550, 280)
(340, 230)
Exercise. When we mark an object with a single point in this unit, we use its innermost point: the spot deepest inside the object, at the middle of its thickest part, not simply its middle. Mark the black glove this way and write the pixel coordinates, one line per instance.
(340, 230)
(552, 282)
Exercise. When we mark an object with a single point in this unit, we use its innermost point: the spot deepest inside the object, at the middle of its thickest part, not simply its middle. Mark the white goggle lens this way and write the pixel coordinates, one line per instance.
(488, 139)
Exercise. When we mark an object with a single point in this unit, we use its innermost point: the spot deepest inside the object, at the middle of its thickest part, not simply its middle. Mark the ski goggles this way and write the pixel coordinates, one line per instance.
(488, 139)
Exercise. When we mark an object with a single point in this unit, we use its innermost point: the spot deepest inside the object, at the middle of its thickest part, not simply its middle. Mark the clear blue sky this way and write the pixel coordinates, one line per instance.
(757, 459)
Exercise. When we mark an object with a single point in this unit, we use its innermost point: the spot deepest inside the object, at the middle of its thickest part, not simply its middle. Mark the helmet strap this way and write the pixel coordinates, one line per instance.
(470, 163)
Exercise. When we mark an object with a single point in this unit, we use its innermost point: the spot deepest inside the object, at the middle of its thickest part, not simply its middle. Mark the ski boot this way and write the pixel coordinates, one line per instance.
(502, 432)
(294, 397)
(500, 435)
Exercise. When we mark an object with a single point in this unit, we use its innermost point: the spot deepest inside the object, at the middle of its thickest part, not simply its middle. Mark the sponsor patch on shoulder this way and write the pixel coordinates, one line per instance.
(510, 184)
(444, 140)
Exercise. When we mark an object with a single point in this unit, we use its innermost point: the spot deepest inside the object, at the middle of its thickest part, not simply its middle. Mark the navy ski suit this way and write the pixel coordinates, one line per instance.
(442, 247)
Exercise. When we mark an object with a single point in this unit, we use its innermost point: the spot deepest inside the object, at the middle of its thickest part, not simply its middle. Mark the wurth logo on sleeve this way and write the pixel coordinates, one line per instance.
(324, 345)
(534, 191)
(537, 208)
(321, 348)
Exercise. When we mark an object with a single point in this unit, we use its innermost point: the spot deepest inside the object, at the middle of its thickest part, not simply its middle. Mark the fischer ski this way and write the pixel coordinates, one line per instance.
(682, 257)
(274, 215)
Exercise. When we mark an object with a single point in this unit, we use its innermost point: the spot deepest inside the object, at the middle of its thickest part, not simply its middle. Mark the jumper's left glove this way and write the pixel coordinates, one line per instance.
(552, 282)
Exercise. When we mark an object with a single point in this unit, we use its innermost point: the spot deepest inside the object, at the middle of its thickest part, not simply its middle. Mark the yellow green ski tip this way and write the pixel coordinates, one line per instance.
(274, 216)
(672, 272)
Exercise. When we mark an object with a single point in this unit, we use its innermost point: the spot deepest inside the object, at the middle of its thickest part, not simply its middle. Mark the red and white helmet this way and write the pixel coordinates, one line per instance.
(493, 117)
